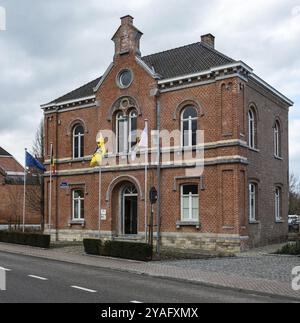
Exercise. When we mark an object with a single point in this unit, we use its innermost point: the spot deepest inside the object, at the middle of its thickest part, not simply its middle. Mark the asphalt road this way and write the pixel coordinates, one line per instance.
(34, 280)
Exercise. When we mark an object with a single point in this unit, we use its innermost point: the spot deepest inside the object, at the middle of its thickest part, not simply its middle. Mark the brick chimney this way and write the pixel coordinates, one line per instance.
(208, 40)
(127, 37)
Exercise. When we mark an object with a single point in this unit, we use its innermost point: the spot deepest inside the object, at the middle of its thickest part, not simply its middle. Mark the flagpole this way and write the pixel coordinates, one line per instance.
(24, 195)
(146, 186)
(100, 204)
(50, 190)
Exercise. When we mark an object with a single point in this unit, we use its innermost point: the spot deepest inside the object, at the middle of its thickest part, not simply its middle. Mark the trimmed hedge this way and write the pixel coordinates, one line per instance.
(29, 239)
(290, 249)
(118, 249)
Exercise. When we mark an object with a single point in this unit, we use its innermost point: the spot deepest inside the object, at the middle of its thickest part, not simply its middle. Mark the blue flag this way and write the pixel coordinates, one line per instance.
(32, 162)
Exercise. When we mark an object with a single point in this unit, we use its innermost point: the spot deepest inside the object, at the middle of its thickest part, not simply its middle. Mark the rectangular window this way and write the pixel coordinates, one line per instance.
(189, 203)
(78, 205)
(252, 202)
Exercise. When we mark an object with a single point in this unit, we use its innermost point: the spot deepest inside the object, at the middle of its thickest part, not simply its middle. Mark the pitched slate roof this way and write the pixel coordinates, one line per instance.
(82, 92)
(4, 153)
(180, 61)
(186, 60)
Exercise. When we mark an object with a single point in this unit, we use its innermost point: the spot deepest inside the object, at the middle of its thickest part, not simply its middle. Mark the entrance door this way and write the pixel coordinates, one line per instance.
(129, 210)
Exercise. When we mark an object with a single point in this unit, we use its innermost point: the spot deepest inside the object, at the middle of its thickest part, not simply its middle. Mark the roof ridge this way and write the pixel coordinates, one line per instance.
(169, 50)
(217, 52)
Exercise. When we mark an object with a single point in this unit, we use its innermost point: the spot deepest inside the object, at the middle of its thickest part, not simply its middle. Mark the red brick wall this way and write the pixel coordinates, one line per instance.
(223, 107)
(11, 205)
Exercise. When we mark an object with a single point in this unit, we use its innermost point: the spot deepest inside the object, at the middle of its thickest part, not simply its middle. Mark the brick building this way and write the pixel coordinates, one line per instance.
(239, 200)
(12, 194)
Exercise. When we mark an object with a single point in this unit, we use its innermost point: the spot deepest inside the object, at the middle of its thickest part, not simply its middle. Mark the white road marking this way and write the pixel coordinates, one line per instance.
(5, 269)
(37, 277)
(136, 302)
(84, 289)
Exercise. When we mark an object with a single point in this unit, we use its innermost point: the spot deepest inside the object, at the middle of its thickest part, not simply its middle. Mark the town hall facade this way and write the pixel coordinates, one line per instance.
(238, 200)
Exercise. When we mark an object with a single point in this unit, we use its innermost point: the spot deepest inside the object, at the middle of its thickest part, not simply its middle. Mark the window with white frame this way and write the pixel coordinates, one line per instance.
(78, 141)
(252, 202)
(251, 129)
(189, 203)
(132, 129)
(126, 131)
(277, 140)
(78, 205)
(189, 126)
(278, 215)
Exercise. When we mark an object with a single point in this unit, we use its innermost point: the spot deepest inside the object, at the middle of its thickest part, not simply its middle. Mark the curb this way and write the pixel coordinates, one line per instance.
(170, 278)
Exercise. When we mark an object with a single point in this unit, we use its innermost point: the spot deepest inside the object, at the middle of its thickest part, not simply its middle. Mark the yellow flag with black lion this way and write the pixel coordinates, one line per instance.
(100, 151)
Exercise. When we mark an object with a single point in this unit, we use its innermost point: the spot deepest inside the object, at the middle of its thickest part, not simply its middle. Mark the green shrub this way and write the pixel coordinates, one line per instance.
(92, 246)
(118, 249)
(290, 249)
(29, 239)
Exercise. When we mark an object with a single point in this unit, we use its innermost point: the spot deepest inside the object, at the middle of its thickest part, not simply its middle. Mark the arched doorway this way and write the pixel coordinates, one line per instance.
(129, 210)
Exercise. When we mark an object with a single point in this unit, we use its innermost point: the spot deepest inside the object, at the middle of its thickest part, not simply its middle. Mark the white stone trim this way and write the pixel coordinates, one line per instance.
(209, 71)
(53, 105)
(104, 76)
(147, 68)
(272, 89)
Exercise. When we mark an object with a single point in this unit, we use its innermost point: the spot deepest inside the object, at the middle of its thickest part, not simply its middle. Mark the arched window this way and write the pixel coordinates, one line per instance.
(189, 126)
(252, 202)
(278, 196)
(277, 140)
(121, 133)
(78, 141)
(252, 128)
(132, 129)
(126, 131)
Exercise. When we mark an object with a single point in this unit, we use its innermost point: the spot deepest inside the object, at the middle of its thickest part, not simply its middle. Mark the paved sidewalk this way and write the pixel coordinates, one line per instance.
(161, 269)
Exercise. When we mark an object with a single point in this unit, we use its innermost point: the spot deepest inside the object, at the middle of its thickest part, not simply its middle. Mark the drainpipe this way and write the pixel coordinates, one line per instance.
(56, 178)
(158, 213)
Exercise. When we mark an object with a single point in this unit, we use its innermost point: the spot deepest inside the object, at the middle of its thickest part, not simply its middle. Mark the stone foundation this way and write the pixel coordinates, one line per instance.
(205, 242)
(192, 242)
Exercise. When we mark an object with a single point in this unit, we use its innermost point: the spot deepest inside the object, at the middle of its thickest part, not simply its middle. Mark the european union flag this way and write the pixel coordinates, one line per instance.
(32, 162)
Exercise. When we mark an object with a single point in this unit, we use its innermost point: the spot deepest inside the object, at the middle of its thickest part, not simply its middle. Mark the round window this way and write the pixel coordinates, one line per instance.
(125, 78)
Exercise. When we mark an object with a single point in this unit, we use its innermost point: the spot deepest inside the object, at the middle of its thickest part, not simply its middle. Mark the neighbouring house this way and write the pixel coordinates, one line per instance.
(238, 201)
(12, 194)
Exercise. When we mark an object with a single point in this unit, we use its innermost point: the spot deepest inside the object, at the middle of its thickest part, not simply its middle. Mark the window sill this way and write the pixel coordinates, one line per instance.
(278, 158)
(77, 222)
(254, 149)
(279, 221)
(180, 224)
(254, 222)
(77, 160)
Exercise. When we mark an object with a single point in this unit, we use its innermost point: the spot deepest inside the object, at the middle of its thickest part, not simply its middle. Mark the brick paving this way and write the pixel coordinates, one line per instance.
(229, 273)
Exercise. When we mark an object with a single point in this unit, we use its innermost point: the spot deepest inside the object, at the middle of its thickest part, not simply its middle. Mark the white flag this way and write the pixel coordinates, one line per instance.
(143, 143)
(144, 138)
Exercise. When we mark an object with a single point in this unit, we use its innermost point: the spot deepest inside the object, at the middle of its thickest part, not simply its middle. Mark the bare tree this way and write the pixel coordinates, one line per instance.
(38, 143)
(36, 200)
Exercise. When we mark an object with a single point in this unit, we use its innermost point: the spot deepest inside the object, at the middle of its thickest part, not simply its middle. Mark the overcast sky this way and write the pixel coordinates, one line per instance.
(52, 47)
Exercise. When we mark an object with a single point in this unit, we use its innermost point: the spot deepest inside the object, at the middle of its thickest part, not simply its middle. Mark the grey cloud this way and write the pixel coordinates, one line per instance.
(51, 47)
